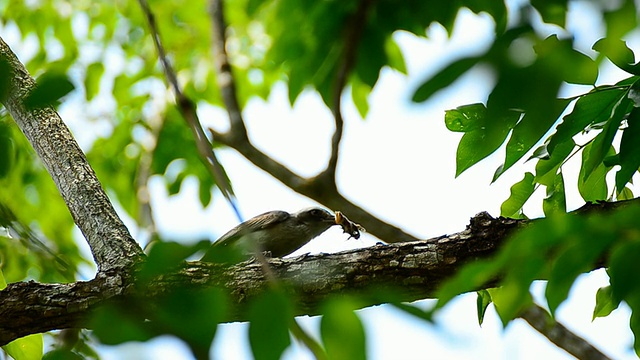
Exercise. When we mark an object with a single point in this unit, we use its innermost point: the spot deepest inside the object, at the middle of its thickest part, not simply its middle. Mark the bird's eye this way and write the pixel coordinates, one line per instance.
(316, 212)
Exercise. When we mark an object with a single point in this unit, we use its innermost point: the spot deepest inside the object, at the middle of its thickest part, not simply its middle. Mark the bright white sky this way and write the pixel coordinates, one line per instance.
(398, 163)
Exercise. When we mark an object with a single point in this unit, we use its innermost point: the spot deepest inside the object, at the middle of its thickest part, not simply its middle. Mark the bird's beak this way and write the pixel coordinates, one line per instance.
(338, 218)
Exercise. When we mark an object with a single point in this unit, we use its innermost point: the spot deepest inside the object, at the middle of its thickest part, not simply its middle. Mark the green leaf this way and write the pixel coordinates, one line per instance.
(484, 139)
(552, 11)
(51, 86)
(594, 188)
(509, 302)
(360, 94)
(547, 169)
(629, 153)
(520, 193)
(341, 330)
(602, 142)
(528, 132)
(622, 20)
(471, 277)
(92, 80)
(444, 78)
(592, 108)
(394, 55)
(29, 347)
(578, 255)
(3, 282)
(556, 201)
(465, 118)
(5, 78)
(604, 303)
(625, 194)
(619, 53)
(482, 303)
(7, 150)
(269, 317)
(623, 269)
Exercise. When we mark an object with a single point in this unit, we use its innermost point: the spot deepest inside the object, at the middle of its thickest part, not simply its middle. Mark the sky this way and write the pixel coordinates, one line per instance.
(399, 164)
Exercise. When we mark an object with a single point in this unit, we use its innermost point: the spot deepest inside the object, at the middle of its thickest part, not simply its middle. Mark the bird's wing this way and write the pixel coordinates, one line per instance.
(254, 224)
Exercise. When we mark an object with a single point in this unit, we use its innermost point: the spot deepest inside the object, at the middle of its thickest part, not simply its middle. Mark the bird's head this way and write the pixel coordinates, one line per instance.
(316, 216)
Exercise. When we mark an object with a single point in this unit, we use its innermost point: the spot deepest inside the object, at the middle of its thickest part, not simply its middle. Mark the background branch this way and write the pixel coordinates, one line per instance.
(355, 28)
(110, 241)
(558, 334)
(321, 188)
(188, 110)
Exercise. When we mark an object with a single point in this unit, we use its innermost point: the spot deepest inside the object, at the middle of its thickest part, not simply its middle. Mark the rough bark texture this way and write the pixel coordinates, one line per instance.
(413, 269)
(109, 239)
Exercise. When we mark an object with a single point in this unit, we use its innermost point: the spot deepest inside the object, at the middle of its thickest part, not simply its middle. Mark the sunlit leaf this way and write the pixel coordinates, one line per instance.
(604, 303)
(482, 303)
(29, 347)
(546, 169)
(520, 193)
(556, 201)
(594, 188)
(92, 80)
(619, 53)
(342, 332)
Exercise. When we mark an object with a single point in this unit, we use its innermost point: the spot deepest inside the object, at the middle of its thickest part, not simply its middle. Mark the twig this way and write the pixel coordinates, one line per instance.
(540, 320)
(188, 110)
(350, 51)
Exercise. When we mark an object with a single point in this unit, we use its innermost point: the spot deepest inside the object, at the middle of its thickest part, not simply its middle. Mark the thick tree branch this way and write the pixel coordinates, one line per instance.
(414, 270)
(110, 241)
(540, 320)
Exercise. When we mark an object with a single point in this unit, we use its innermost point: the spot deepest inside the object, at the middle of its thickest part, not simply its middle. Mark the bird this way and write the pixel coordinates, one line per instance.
(277, 233)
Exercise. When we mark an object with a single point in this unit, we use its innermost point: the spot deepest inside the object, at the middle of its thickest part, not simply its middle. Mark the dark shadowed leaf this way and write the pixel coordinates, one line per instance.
(629, 155)
(444, 78)
(552, 11)
(592, 108)
(269, 317)
(602, 143)
(50, 88)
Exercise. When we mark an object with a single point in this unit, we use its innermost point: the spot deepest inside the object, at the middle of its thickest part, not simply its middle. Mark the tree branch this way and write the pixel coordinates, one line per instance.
(188, 110)
(350, 50)
(111, 244)
(414, 270)
(564, 338)
(318, 188)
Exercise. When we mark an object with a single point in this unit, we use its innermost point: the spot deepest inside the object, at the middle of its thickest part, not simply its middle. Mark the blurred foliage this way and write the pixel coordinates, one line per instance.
(100, 54)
